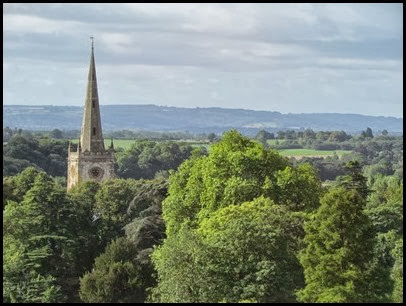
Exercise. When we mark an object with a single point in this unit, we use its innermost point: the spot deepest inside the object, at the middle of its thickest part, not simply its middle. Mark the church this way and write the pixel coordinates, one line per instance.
(90, 161)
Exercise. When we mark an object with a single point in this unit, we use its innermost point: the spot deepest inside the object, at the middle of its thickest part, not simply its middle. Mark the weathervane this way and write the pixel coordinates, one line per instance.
(92, 39)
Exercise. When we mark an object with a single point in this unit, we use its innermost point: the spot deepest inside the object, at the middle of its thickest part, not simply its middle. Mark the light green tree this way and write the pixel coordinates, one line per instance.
(242, 252)
(18, 185)
(299, 188)
(236, 171)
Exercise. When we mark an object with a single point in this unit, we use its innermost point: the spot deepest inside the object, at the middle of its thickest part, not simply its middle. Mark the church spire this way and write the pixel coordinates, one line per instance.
(91, 137)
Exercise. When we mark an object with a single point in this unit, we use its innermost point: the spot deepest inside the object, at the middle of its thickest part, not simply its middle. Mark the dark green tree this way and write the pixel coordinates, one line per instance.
(211, 137)
(56, 133)
(367, 133)
(38, 235)
(385, 204)
(354, 179)
(145, 158)
(44, 154)
(128, 280)
(110, 210)
(89, 243)
(116, 276)
(397, 272)
(21, 282)
(262, 136)
(339, 249)
(385, 210)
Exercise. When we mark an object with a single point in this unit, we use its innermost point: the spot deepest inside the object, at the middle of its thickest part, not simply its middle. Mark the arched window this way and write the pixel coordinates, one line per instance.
(94, 131)
(93, 103)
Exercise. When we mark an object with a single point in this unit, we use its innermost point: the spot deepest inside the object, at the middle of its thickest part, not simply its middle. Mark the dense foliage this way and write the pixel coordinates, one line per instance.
(46, 154)
(146, 158)
(39, 244)
(124, 272)
(339, 249)
(50, 237)
(222, 260)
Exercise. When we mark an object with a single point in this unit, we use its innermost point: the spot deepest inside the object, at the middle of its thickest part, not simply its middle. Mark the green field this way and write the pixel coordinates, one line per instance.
(273, 142)
(294, 152)
(118, 143)
(205, 145)
(126, 144)
(309, 152)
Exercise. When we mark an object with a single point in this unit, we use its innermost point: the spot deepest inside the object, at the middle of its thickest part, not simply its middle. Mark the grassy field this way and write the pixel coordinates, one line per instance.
(273, 142)
(122, 143)
(206, 145)
(307, 152)
(126, 143)
(298, 153)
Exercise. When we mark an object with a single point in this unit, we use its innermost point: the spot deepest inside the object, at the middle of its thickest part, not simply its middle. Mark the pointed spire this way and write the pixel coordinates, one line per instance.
(91, 134)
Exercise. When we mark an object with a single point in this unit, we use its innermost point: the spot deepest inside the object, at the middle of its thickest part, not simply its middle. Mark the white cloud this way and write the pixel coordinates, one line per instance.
(32, 24)
(277, 50)
(120, 43)
(358, 63)
(214, 95)
(225, 18)
(340, 13)
(160, 9)
(213, 18)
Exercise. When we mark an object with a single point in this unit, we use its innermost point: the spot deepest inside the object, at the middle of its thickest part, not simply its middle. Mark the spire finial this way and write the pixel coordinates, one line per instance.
(92, 39)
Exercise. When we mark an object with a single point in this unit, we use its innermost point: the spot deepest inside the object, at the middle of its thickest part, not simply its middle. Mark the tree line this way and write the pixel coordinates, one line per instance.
(118, 134)
(143, 160)
(381, 154)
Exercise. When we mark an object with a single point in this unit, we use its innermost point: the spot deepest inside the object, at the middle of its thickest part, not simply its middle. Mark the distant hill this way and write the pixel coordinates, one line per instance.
(195, 120)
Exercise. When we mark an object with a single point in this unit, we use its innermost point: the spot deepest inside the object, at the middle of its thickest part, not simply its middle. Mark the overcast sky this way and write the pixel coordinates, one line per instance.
(297, 58)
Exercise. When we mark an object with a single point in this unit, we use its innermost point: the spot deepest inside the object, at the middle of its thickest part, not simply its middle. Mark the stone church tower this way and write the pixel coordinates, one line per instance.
(91, 161)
